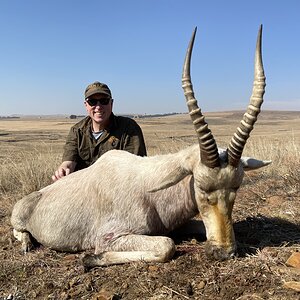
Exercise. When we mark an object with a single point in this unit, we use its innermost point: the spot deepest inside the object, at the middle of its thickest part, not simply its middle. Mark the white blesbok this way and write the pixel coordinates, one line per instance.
(123, 206)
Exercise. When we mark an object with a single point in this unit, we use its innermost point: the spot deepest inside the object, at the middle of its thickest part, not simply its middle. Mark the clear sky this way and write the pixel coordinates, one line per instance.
(51, 50)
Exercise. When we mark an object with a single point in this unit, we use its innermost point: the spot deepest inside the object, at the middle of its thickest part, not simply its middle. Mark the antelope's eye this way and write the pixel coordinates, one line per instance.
(212, 199)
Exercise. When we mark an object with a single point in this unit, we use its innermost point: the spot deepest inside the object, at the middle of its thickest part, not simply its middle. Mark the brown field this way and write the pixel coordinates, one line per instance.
(266, 216)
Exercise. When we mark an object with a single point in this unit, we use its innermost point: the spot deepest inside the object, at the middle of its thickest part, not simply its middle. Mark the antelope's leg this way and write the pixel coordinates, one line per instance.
(25, 239)
(133, 248)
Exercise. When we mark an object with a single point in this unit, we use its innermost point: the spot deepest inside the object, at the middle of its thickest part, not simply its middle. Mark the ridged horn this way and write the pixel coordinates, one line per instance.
(238, 141)
(208, 148)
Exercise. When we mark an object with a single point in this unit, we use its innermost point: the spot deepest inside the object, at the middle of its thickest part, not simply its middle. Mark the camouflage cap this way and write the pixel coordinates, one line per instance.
(97, 88)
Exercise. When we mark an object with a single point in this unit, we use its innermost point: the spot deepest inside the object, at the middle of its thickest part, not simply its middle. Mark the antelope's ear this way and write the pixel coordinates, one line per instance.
(171, 179)
(250, 163)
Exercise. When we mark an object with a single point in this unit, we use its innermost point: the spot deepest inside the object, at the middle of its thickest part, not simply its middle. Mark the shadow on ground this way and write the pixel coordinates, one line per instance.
(252, 234)
(259, 232)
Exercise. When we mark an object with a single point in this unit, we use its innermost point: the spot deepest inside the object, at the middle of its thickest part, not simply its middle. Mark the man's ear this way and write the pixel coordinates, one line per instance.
(250, 163)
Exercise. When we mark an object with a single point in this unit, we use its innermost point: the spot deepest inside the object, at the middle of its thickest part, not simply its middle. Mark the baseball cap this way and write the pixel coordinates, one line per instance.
(97, 88)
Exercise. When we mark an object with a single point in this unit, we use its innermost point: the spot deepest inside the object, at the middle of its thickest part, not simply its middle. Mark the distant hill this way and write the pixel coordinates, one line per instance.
(265, 114)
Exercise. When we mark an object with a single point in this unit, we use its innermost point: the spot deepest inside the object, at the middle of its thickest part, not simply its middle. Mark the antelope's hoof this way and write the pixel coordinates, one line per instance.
(90, 261)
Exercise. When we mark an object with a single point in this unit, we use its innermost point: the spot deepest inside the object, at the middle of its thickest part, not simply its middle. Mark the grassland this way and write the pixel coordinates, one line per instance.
(266, 216)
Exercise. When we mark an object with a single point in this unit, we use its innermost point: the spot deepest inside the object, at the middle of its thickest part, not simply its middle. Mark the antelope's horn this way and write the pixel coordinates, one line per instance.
(208, 147)
(238, 141)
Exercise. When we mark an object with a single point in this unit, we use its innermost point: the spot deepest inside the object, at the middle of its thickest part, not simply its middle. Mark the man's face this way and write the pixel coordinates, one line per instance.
(99, 108)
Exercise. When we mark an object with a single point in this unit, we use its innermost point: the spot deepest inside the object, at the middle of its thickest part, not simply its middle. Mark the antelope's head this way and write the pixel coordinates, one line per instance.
(218, 175)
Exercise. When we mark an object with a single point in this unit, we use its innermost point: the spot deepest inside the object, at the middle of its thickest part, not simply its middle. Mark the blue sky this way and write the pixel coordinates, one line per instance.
(51, 50)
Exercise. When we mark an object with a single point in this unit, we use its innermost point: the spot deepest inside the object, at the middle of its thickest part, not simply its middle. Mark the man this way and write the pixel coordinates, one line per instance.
(98, 133)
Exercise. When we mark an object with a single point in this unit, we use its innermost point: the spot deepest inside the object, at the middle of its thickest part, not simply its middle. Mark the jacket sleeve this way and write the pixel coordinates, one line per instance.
(71, 146)
(134, 141)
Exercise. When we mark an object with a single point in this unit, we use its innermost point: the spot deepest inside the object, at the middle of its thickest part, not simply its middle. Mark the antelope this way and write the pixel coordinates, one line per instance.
(123, 206)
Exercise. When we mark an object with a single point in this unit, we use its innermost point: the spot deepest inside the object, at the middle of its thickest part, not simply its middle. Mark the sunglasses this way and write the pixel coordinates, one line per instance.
(94, 102)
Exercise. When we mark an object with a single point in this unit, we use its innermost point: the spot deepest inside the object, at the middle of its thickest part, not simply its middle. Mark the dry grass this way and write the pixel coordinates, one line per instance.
(28, 171)
(266, 215)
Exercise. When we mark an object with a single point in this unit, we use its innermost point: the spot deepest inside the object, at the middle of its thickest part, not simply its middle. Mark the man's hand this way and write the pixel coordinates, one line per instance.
(64, 169)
